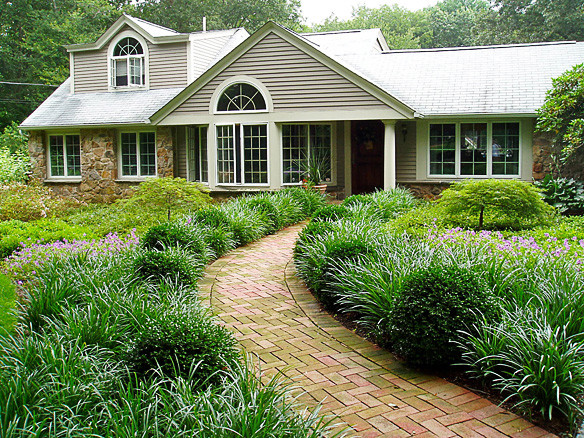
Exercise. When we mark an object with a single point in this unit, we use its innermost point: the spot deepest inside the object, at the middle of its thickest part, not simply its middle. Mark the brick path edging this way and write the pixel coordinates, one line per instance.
(257, 294)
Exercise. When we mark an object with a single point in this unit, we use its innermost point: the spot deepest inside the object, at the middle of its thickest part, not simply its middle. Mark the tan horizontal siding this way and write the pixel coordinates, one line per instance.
(168, 65)
(90, 70)
(294, 80)
(405, 161)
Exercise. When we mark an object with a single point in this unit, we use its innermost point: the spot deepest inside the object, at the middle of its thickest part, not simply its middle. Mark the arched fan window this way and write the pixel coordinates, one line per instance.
(241, 97)
(127, 63)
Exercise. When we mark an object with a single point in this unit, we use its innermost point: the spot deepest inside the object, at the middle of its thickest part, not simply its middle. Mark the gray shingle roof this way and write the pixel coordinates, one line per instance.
(348, 41)
(480, 80)
(108, 108)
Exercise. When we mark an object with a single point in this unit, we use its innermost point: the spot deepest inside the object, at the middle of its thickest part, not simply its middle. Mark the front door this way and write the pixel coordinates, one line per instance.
(367, 138)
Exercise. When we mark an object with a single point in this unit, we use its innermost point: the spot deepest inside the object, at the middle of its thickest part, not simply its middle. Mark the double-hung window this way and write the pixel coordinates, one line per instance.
(64, 156)
(197, 153)
(301, 142)
(138, 153)
(474, 149)
(242, 154)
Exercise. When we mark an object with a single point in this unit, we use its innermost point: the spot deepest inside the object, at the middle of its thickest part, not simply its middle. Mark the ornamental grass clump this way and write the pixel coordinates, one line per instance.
(433, 307)
(178, 235)
(170, 263)
(331, 213)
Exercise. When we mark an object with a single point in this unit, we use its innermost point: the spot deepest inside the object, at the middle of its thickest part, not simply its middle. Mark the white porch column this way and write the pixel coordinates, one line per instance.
(389, 155)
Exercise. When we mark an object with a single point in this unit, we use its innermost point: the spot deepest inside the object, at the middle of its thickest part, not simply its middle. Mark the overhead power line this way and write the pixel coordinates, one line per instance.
(27, 83)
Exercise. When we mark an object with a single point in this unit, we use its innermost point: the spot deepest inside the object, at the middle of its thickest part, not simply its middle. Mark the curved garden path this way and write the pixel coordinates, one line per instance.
(256, 293)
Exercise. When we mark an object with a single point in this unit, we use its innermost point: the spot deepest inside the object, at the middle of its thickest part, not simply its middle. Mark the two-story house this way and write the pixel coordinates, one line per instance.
(239, 112)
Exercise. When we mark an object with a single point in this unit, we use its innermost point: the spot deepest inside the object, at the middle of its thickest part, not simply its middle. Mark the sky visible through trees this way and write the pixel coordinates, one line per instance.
(33, 32)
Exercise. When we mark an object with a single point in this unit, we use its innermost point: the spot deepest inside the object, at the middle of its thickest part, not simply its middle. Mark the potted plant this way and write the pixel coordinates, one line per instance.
(314, 171)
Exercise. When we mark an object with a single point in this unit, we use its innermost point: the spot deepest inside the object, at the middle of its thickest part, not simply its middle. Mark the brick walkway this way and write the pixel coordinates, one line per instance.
(256, 293)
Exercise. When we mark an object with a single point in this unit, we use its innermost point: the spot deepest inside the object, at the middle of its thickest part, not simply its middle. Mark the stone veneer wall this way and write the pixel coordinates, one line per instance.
(542, 149)
(99, 164)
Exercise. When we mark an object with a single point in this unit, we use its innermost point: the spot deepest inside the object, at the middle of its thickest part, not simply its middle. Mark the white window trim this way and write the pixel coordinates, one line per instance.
(189, 153)
(138, 176)
(65, 177)
(333, 181)
(144, 57)
(237, 80)
(242, 163)
(458, 141)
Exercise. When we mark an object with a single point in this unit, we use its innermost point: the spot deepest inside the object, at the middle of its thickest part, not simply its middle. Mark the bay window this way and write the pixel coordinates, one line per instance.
(301, 141)
(242, 154)
(64, 156)
(474, 149)
(138, 154)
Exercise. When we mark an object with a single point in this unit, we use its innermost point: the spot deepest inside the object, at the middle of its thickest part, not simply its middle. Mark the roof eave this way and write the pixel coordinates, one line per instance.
(297, 40)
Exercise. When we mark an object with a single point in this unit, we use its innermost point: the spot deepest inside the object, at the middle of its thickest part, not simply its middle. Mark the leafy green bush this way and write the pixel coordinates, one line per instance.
(15, 233)
(171, 263)
(219, 240)
(177, 234)
(14, 167)
(168, 195)
(264, 206)
(434, 305)
(510, 203)
(246, 225)
(566, 195)
(29, 202)
(14, 140)
(331, 213)
(184, 341)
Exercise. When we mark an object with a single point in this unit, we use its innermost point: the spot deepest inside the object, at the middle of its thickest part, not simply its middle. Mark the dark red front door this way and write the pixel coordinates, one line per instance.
(367, 155)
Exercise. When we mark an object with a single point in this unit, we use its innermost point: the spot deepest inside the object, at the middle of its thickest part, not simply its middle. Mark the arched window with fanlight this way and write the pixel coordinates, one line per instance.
(127, 64)
(241, 97)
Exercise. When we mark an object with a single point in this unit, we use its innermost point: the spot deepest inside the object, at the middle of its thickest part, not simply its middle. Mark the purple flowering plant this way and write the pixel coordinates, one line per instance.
(27, 260)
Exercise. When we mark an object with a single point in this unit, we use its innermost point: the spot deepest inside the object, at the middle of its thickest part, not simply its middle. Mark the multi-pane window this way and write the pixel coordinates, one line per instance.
(138, 153)
(127, 64)
(64, 155)
(442, 149)
(301, 142)
(241, 97)
(474, 149)
(242, 154)
(505, 149)
(197, 153)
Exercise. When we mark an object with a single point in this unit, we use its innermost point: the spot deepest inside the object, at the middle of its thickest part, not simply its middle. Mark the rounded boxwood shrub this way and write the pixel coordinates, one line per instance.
(331, 213)
(433, 306)
(175, 234)
(186, 342)
(171, 263)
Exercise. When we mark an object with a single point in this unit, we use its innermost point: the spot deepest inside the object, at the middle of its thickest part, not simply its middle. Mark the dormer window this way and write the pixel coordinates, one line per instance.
(241, 97)
(127, 64)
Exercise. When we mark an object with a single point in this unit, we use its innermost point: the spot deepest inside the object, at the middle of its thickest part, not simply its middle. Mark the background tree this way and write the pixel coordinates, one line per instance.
(454, 22)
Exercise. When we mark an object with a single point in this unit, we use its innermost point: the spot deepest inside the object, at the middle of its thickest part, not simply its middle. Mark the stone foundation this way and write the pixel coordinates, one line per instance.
(429, 191)
(542, 150)
(99, 165)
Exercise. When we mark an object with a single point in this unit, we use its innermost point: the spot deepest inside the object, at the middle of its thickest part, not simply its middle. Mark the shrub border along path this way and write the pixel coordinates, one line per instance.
(255, 291)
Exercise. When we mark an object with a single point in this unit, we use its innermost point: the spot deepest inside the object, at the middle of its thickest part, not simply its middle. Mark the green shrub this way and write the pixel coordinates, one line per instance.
(29, 202)
(357, 200)
(219, 240)
(247, 225)
(171, 263)
(14, 167)
(210, 216)
(565, 195)
(394, 202)
(183, 341)
(419, 220)
(434, 305)
(177, 234)
(507, 203)
(314, 229)
(331, 213)
(168, 195)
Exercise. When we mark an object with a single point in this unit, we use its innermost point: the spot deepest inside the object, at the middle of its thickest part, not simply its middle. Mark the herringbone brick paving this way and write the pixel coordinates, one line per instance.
(273, 315)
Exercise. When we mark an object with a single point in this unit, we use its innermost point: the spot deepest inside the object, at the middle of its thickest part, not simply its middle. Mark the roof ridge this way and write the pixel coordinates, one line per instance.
(496, 46)
(151, 24)
(331, 32)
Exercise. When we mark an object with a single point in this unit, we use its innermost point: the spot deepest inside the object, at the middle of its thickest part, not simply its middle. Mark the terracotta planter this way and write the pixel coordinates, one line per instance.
(320, 188)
